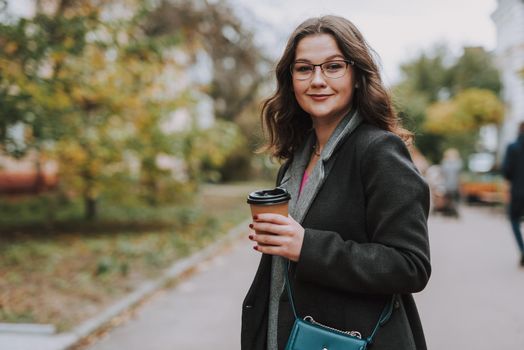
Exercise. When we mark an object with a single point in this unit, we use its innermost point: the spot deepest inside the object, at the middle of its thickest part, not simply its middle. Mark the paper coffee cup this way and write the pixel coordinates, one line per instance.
(269, 201)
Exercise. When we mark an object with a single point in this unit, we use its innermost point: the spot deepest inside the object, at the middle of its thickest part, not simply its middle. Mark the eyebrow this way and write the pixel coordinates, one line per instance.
(325, 60)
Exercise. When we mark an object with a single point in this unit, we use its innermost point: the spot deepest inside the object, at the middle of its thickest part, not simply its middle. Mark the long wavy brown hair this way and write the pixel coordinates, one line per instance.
(286, 124)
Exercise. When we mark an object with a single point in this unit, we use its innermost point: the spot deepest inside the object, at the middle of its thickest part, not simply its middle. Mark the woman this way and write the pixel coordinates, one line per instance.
(357, 229)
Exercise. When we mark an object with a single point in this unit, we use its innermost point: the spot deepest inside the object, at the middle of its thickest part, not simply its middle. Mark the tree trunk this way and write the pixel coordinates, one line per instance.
(90, 208)
(39, 183)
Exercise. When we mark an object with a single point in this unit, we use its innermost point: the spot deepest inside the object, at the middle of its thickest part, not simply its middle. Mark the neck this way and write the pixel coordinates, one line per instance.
(324, 129)
(323, 134)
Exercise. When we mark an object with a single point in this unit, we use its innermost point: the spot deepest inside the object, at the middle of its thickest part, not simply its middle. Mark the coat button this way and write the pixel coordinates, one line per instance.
(247, 307)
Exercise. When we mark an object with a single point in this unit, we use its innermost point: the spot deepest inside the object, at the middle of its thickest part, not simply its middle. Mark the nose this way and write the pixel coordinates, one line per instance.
(318, 78)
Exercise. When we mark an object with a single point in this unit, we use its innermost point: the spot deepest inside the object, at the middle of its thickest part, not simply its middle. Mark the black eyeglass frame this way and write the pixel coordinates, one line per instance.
(348, 62)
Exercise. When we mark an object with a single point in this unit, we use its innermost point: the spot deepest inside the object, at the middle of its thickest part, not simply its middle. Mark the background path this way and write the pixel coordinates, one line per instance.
(202, 312)
(475, 298)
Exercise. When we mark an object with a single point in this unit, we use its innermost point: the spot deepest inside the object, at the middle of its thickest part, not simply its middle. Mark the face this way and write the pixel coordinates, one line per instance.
(327, 100)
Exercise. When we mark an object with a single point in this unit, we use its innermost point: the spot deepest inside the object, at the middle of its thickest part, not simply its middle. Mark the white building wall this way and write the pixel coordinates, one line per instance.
(509, 21)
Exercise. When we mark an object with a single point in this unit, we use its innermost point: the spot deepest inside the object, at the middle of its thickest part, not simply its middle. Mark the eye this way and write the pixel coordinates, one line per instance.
(302, 68)
(334, 66)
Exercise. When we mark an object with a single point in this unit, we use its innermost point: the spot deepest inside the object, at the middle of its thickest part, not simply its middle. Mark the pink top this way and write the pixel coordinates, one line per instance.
(304, 181)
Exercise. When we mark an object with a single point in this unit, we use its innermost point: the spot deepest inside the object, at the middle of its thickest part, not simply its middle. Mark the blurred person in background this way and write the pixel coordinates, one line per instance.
(451, 166)
(513, 170)
(357, 231)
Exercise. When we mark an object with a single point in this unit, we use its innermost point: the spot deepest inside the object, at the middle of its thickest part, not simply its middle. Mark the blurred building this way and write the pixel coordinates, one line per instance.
(509, 22)
(30, 175)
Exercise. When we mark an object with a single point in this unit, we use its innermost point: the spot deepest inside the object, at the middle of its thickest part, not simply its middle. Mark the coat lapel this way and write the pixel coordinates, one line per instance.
(300, 202)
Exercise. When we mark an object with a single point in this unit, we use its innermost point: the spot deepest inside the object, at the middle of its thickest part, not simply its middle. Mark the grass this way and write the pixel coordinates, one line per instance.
(64, 277)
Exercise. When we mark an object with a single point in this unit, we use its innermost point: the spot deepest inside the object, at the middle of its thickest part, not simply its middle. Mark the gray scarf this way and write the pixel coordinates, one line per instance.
(298, 208)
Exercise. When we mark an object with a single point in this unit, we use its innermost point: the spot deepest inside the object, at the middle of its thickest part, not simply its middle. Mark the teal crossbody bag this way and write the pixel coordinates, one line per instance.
(307, 334)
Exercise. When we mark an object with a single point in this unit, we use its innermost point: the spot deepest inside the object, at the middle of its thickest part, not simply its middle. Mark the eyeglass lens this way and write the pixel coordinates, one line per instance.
(330, 69)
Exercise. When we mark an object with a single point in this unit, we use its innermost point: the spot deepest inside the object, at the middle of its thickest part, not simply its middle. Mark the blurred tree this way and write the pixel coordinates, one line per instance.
(474, 69)
(207, 150)
(34, 93)
(429, 85)
(428, 74)
(424, 80)
(459, 120)
(85, 81)
(34, 51)
(94, 83)
(239, 66)
(465, 113)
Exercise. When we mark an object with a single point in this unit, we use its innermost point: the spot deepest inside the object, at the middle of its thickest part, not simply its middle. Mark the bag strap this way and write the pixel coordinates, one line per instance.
(384, 316)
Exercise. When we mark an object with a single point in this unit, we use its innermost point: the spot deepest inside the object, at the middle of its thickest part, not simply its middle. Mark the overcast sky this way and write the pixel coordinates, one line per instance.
(398, 30)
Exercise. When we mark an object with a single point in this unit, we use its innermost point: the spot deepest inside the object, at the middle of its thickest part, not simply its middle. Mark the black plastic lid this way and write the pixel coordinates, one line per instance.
(269, 197)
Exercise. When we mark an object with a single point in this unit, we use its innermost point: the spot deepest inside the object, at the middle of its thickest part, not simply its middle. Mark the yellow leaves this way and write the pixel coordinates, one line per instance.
(441, 118)
(71, 153)
(482, 105)
(77, 93)
(58, 56)
(61, 100)
(83, 163)
(10, 69)
(214, 145)
(465, 113)
(69, 42)
(82, 8)
(97, 60)
(11, 47)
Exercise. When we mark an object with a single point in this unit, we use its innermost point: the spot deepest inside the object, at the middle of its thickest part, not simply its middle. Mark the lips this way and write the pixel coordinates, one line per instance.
(319, 97)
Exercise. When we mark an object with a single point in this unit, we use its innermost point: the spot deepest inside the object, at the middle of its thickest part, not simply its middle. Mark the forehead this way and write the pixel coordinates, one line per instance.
(317, 48)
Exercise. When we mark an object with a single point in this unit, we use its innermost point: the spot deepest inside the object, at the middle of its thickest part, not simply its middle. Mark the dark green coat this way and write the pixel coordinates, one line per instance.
(513, 167)
(365, 239)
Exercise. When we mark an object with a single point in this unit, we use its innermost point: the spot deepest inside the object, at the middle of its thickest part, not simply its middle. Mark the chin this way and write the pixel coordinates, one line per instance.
(322, 114)
(328, 115)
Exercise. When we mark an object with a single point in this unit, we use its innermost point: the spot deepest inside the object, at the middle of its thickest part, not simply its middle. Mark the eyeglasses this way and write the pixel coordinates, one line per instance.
(331, 69)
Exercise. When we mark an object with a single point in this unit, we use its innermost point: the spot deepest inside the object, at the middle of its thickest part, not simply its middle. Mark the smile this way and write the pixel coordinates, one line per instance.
(319, 97)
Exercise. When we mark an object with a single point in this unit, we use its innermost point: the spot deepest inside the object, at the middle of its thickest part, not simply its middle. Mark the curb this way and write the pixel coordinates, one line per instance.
(64, 341)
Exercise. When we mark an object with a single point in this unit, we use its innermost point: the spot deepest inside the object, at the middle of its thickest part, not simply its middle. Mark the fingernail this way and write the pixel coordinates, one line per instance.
(255, 247)
(250, 225)
(251, 237)
(255, 217)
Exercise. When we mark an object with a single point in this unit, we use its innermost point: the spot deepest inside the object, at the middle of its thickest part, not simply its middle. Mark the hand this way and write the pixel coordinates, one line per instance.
(277, 235)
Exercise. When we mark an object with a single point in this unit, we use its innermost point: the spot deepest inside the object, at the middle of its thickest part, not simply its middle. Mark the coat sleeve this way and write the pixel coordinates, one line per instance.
(507, 164)
(396, 258)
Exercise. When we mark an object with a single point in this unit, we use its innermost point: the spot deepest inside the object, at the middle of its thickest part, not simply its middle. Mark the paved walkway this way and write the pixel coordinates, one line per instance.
(200, 313)
(475, 298)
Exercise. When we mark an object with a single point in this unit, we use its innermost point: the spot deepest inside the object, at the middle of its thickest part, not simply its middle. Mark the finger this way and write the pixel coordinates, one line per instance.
(275, 229)
(252, 238)
(273, 218)
(269, 239)
(272, 250)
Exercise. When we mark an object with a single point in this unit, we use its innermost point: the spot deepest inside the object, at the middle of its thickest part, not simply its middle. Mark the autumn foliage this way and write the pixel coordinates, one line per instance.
(465, 113)
(93, 83)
